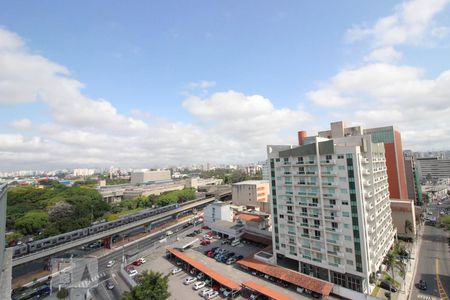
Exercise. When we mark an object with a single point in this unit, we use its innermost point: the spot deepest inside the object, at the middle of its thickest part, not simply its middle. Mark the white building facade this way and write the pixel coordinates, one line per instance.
(217, 211)
(330, 208)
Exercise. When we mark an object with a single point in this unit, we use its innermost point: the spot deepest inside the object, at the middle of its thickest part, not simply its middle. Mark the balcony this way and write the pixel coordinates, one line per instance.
(301, 173)
(368, 194)
(289, 193)
(310, 173)
(328, 173)
(329, 217)
(367, 183)
(313, 215)
(328, 162)
(329, 184)
(288, 183)
(303, 203)
(365, 160)
(298, 162)
(333, 207)
(287, 173)
(366, 172)
(305, 235)
(326, 195)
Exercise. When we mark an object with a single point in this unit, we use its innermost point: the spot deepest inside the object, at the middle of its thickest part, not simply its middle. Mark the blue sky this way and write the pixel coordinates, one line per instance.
(222, 78)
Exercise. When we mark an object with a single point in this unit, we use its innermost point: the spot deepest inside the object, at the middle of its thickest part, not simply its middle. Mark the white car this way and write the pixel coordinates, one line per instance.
(211, 295)
(198, 285)
(200, 275)
(110, 263)
(142, 260)
(189, 280)
(205, 292)
(133, 273)
(176, 270)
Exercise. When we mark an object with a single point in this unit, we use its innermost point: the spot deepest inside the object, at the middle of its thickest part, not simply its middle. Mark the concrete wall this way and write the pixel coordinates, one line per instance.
(147, 176)
(217, 211)
(3, 192)
(254, 194)
(402, 211)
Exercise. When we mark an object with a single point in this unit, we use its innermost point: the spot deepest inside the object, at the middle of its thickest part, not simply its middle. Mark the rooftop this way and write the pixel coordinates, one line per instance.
(251, 182)
(296, 278)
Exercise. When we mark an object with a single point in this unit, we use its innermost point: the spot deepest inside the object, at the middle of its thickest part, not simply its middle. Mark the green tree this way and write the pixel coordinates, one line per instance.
(390, 262)
(408, 226)
(62, 294)
(32, 222)
(152, 286)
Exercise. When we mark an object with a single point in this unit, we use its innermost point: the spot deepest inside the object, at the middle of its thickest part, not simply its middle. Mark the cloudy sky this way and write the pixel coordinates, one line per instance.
(166, 83)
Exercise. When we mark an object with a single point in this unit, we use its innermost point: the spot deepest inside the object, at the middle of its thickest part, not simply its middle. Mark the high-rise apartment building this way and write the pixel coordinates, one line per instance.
(392, 140)
(412, 178)
(330, 206)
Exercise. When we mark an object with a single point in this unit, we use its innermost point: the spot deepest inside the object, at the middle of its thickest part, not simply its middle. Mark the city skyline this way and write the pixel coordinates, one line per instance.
(118, 90)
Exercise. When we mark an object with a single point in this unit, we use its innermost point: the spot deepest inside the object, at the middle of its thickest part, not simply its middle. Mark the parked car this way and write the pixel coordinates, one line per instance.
(133, 273)
(176, 270)
(212, 295)
(239, 257)
(422, 285)
(231, 261)
(142, 260)
(227, 292)
(137, 263)
(387, 286)
(109, 285)
(189, 280)
(205, 242)
(198, 285)
(200, 275)
(205, 291)
(235, 243)
(110, 263)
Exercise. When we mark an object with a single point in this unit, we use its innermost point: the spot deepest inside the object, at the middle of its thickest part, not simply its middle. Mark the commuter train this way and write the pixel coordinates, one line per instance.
(49, 242)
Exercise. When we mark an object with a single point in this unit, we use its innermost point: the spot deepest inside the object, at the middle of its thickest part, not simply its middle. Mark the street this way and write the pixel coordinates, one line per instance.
(434, 261)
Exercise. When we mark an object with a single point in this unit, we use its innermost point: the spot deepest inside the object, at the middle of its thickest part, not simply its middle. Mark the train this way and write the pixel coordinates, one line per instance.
(49, 242)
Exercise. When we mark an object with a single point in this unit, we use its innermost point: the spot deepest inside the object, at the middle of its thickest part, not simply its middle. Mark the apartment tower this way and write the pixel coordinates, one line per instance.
(330, 205)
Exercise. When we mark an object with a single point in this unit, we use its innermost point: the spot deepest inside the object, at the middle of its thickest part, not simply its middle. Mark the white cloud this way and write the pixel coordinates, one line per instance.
(22, 124)
(407, 24)
(385, 54)
(229, 127)
(440, 32)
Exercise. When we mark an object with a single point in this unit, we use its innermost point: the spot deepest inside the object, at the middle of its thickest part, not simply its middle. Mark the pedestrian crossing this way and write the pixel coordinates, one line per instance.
(89, 283)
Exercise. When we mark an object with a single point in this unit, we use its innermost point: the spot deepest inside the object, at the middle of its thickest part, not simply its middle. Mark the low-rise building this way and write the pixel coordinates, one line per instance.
(217, 211)
(139, 177)
(253, 194)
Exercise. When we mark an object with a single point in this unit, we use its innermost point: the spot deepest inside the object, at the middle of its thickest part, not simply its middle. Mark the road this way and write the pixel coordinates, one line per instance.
(434, 261)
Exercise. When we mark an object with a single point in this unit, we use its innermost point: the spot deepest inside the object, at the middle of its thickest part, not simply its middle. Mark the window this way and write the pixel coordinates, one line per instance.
(348, 238)
(343, 191)
(291, 240)
(316, 233)
(283, 245)
(341, 167)
(344, 202)
(328, 157)
(338, 278)
(289, 209)
(340, 156)
(305, 221)
(290, 219)
(345, 214)
(281, 216)
(334, 225)
(354, 284)
(317, 222)
(305, 231)
(348, 250)
(304, 210)
(343, 179)
(346, 226)
(315, 200)
(350, 262)
(333, 201)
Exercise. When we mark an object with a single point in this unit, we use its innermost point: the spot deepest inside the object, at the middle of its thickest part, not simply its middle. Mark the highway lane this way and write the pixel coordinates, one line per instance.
(434, 261)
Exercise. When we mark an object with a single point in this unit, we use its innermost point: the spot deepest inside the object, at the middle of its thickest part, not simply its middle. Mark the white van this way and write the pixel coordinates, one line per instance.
(235, 242)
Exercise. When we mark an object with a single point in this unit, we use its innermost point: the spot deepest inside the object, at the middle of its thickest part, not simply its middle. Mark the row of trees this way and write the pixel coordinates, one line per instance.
(229, 176)
(56, 209)
(142, 202)
(53, 209)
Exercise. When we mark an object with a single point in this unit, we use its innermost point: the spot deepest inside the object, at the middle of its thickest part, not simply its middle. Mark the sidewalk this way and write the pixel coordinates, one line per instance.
(411, 269)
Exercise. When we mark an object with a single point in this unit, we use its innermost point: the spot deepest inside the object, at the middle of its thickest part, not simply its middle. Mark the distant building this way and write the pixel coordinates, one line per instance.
(433, 168)
(253, 194)
(217, 211)
(5, 256)
(83, 172)
(139, 177)
(196, 182)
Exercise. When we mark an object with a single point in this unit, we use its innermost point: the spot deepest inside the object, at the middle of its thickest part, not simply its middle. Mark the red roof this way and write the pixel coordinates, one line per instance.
(272, 294)
(296, 278)
(204, 269)
(250, 217)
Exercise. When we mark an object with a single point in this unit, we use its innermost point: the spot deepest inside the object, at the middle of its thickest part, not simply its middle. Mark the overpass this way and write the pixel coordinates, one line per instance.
(107, 233)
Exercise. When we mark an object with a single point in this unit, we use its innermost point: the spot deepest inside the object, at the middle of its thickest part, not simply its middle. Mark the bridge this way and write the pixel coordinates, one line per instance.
(107, 233)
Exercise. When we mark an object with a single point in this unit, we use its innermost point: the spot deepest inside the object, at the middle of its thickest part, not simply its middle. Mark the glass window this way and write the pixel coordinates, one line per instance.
(345, 214)
(348, 238)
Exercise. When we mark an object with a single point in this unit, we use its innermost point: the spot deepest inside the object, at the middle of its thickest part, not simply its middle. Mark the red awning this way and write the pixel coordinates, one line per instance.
(265, 291)
(301, 280)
